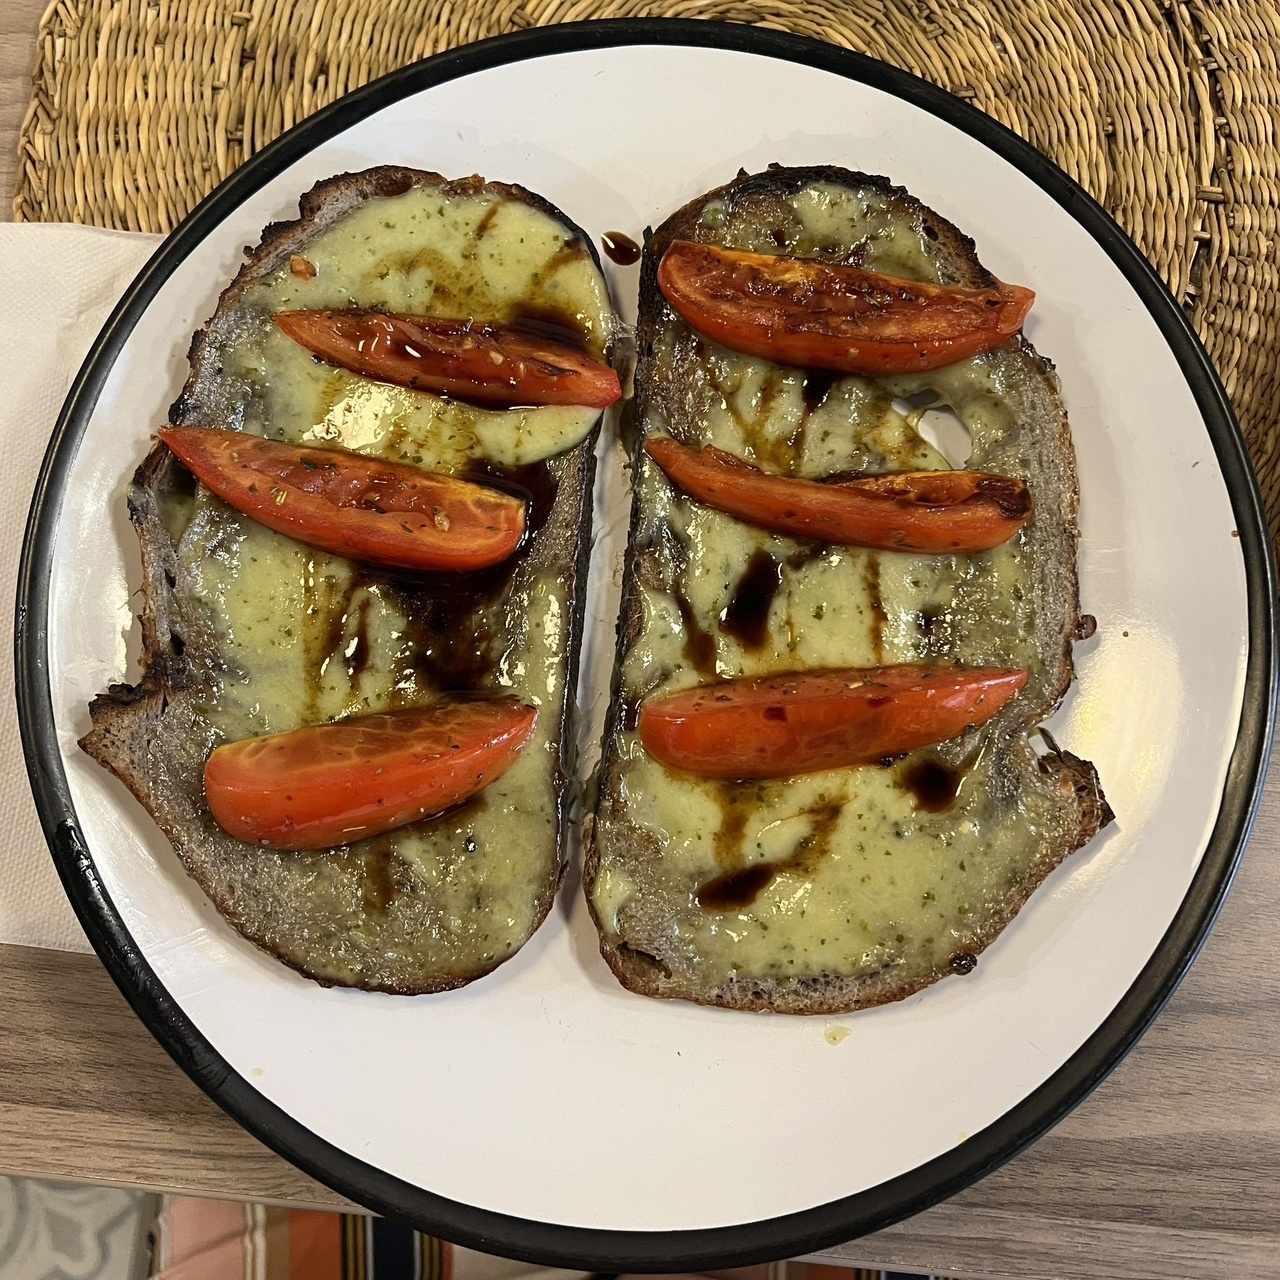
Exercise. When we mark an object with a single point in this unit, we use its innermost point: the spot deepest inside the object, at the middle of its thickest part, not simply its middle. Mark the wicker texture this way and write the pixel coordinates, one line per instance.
(1167, 111)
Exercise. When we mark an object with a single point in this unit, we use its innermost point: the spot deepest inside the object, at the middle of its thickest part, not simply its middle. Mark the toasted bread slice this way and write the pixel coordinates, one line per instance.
(853, 887)
(246, 632)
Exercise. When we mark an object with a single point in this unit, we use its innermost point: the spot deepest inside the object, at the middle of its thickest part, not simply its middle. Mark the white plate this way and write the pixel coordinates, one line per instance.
(545, 1093)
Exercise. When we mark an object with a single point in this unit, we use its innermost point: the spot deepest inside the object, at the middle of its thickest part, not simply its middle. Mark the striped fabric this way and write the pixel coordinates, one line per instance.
(224, 1240)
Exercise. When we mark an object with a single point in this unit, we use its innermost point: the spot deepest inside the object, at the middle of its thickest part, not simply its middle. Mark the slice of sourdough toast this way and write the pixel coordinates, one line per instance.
(839, 890)
(247, 632)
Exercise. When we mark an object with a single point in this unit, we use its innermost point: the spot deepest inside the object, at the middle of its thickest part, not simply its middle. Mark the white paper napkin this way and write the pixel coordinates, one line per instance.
(60, 283)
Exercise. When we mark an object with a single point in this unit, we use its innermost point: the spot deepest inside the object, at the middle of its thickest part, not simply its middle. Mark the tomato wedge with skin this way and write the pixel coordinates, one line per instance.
(489, 364)
(331, 784)
(822, 315)
(925, 511)
(362, 508)
(800, 722)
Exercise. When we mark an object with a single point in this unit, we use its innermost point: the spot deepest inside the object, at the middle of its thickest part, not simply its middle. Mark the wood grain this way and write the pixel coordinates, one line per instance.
(1171, 1167)
(86, 1093)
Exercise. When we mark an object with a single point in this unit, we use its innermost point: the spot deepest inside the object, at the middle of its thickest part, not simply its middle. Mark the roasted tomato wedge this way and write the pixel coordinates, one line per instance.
(929, 511)
(331, 784)
(362, 508)
(821, 315)
(781, 725)
(485, 363)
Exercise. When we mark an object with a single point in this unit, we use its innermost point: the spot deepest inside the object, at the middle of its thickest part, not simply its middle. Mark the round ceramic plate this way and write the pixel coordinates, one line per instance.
(543, 1111)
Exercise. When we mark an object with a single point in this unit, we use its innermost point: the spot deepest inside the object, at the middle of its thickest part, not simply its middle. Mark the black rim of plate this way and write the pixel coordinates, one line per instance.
(614, 1250)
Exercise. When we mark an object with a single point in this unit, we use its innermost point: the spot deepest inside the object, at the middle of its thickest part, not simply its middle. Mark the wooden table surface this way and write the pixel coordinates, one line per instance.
(1171, 1167)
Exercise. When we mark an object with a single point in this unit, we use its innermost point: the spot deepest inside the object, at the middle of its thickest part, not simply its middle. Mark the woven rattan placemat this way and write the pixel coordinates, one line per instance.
(1167, 111)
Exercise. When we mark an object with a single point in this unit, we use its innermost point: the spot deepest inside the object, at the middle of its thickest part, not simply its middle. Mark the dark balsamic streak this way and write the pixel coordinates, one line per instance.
(699, 643)
(746, 617)
(735, 889)
(380, 885)
(740, 888)
(486, 220)
(875, 601)
(323, 624)
(817, 383)
(768, 394)
(570, 251)
(932, 785)
(735, 807)
(620, 248)
(449, 617)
